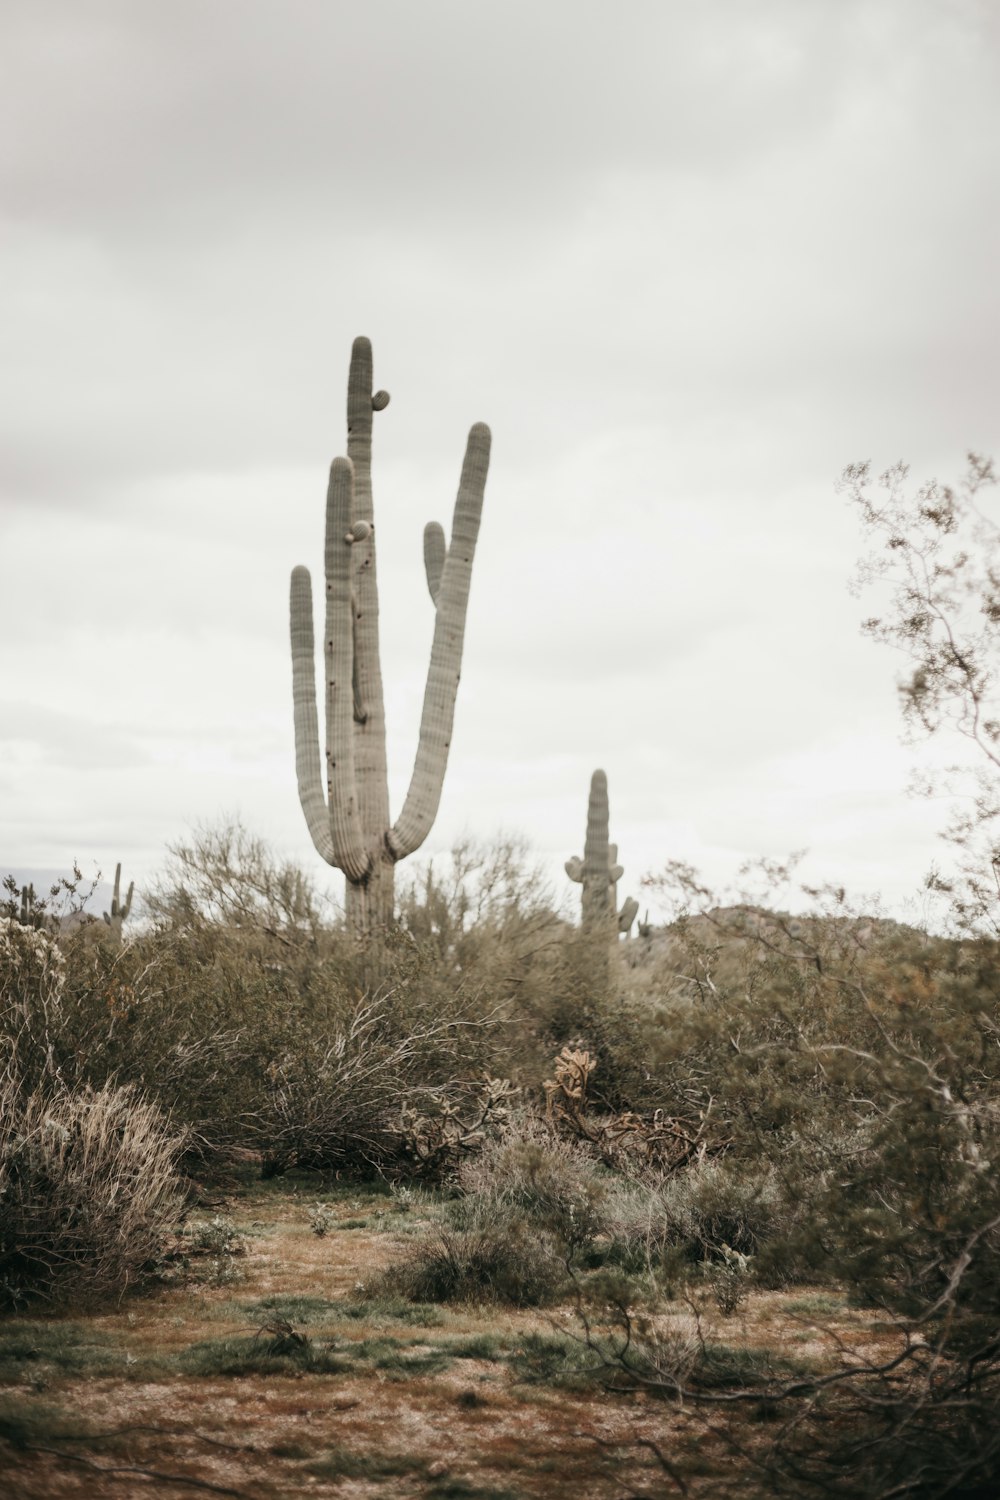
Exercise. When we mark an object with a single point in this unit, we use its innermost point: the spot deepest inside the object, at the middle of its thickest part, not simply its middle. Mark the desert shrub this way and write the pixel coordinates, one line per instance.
(854, 1074)
(639, 1232)
(32, 979)
(532, 1171)
(88, 1191)
(482, 1256)
(245, 1041)
(716, 1205)
(223, 876)
(451, 1124)
(484, 912)
(335, 1096)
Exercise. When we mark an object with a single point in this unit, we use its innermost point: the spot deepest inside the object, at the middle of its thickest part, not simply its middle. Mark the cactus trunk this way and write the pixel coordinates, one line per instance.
(115, 919)
(599, 871)
(349, 820)
(597, 857)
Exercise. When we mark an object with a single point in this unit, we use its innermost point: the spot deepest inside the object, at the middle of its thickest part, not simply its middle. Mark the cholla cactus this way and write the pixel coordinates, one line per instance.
(349, 822)
(566, 1093)
(599, 871)
(119, 910)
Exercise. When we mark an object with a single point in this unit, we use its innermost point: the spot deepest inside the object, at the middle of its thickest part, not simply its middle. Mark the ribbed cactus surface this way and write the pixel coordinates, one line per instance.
(347, 810)
(599, 871)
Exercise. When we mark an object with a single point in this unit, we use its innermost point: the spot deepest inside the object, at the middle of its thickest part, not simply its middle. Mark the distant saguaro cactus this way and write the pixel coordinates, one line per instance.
(599, 871)
(119, 910)
(349, 823)
(32, 911)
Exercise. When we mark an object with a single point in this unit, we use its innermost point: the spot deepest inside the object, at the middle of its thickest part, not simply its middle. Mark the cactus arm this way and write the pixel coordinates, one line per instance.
(424, 795)
(308, 766)
(628, 914)
(434, 556)
(339, 658)
(615, 873)
(574, 868)
(119, 910)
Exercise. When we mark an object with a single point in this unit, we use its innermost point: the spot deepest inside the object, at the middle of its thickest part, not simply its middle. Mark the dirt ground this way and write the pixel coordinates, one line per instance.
(161, 1395)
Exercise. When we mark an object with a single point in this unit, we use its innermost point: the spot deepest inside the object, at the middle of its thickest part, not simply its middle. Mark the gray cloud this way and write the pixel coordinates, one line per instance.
(687, 261)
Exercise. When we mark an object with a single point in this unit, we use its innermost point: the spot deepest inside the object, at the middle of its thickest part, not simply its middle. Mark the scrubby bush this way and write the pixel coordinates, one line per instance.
(530, 1170)
(88, 1191)
(32, 980)
(483, 1255)
(720, 1205)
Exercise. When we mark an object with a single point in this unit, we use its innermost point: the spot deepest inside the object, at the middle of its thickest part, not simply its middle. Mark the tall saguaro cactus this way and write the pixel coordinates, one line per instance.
(349, 821)
(599, 871)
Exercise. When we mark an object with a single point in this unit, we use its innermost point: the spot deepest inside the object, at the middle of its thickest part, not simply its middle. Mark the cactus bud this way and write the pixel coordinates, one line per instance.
(380, 400)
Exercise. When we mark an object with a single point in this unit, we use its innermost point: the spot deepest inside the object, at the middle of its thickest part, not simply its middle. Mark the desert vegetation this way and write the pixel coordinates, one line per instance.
(646, 1186)
(712, 1209)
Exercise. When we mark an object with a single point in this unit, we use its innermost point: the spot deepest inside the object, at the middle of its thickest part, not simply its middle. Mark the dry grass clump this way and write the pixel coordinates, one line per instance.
(88, 1191)
(480, 1259)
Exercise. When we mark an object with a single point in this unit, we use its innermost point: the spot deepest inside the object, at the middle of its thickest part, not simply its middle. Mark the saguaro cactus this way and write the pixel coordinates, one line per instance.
(119, 910)
(349, 823)
(32, 911)
(599, 871)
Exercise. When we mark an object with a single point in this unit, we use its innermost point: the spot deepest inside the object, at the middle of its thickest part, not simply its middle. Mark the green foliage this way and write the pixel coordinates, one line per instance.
(35, 1350)
(276, 1349)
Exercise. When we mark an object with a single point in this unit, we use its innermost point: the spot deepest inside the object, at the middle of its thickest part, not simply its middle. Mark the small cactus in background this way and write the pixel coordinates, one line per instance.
(119, 910)
(599, 871)
(32, 912)
(347, 809)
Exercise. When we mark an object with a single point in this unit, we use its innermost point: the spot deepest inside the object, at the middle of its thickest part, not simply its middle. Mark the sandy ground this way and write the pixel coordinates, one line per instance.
(128, 1420)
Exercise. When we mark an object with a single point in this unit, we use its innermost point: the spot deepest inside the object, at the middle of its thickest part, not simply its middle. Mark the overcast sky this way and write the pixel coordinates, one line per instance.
(687, 260)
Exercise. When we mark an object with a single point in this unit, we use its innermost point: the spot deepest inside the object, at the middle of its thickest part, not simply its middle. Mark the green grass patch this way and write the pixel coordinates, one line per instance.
(341, 1464)
(556, 1359)
(285, 1351)
(262, 1354)
(720, 1365)
(290, 1309)
(41, 1348)
(479, 1346)
(395, 1357)
(392, 1309)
